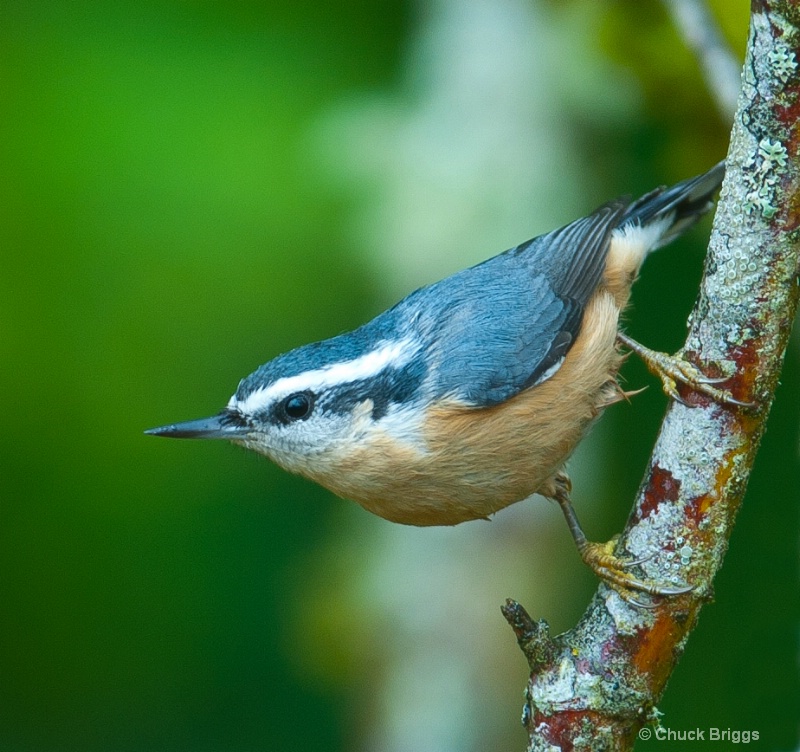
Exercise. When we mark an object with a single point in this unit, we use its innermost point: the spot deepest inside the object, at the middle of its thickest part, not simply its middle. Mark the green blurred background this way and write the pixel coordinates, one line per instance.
(189, 188)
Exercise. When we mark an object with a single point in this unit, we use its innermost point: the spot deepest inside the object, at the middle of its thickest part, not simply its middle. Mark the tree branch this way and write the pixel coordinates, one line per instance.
(596, 686)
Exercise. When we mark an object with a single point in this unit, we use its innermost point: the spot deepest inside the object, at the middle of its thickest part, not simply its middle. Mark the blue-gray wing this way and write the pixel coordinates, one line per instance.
(505, 325)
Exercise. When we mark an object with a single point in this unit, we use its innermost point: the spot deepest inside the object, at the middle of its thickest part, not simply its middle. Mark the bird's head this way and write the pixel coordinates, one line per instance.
(310, 409)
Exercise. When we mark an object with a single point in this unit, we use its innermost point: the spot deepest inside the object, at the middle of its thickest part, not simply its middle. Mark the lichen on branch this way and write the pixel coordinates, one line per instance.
(595, 686)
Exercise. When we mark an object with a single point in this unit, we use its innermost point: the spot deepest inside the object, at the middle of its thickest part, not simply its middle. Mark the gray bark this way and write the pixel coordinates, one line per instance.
(596, 686)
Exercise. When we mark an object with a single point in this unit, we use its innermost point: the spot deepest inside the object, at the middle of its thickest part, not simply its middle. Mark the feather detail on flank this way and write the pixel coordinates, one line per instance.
(630, 245)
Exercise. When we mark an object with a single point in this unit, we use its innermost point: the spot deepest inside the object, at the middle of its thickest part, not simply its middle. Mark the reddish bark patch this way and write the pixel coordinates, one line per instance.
(697, 508)
(561, 728)
(746, 358)
(791, 210)
(663, 486)
(655, 650)
(655, 655)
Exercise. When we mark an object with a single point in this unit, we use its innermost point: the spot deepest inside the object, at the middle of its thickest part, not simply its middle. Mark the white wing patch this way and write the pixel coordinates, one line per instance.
(549, 372)
(396, 353)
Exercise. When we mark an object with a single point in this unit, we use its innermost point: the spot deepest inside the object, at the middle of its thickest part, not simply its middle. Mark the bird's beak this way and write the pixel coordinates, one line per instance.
(226, 425)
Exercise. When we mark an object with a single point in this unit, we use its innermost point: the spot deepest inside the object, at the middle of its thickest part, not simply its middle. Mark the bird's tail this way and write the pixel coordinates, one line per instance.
(665, 213)
(652, 221)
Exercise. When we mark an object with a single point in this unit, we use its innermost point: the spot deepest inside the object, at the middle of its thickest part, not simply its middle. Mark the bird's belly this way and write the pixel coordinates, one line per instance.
(476, 463)
(472, 462)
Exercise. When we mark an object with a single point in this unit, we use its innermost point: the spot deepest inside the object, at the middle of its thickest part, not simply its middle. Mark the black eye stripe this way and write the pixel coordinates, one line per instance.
(390, 386)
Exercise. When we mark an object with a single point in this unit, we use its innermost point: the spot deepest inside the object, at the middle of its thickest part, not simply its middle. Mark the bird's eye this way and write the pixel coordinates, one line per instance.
(298, 406)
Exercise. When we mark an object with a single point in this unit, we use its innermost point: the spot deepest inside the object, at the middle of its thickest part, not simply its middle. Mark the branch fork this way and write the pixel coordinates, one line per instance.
(594, 687)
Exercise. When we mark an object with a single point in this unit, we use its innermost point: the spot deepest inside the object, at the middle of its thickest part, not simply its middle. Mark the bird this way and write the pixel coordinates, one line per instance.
(471, 393)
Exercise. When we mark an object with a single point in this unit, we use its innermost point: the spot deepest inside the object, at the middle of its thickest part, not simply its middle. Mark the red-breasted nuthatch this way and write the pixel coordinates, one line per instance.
(470, 394)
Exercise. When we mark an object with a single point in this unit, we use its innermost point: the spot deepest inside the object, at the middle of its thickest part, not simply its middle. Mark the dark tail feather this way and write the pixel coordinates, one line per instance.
(689, 200)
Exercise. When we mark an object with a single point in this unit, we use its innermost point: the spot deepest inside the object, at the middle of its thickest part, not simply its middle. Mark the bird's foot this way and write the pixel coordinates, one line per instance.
(601, 558)
(674, 369)
(611, 569)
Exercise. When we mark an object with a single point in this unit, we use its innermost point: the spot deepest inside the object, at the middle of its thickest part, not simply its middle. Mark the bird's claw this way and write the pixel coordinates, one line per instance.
(612, 570)
(600, 557)
(674, 369)
(702, 379)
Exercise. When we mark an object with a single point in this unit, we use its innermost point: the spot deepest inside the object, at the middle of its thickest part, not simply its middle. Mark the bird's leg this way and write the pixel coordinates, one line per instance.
(600, 557)
(674, 368)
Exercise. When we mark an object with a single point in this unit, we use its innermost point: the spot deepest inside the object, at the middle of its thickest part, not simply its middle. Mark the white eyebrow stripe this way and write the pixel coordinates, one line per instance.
(396, 353)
